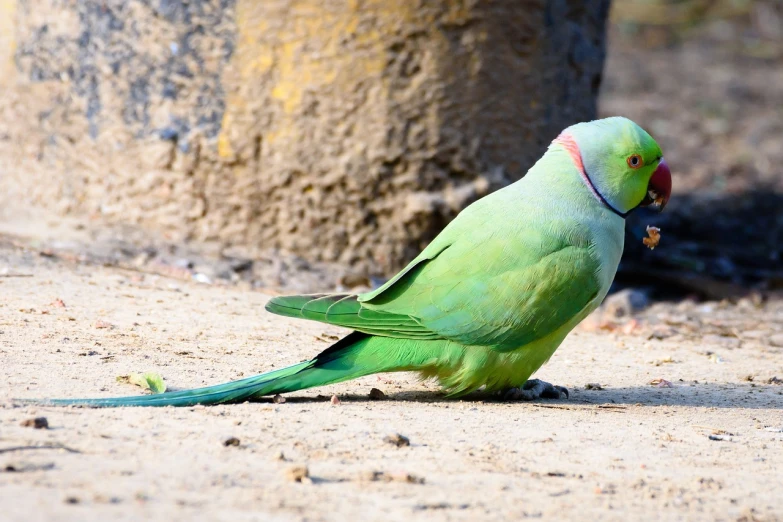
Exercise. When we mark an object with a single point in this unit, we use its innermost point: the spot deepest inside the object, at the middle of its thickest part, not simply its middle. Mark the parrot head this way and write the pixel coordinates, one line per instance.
(620, 163)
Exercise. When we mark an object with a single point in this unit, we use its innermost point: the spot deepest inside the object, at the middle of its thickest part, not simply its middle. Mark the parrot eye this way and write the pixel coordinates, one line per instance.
(635, 161)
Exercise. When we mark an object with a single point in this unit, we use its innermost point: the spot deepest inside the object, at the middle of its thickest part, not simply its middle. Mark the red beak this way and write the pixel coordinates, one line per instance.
(660, 187)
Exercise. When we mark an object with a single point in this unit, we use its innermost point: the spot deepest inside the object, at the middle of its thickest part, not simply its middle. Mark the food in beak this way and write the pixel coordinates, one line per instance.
(659, 188)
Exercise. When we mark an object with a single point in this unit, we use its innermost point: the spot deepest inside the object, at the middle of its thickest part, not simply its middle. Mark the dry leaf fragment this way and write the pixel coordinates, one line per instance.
(629, 327)
(151, 381)
(653, 237)
(665, 360)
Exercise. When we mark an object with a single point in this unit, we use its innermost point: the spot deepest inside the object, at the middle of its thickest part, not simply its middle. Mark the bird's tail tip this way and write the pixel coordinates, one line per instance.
(234, 391)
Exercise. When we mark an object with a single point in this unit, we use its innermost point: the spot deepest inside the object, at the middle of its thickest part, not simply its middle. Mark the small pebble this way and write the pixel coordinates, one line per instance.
(298, 474)
(382, 476)
(722, 340)
(625, 303)
(776, 340)
(335, 400)
(398, 440)
(39, 423)
(202, 278)
(278, 399)
(377, 395)
(231, 441)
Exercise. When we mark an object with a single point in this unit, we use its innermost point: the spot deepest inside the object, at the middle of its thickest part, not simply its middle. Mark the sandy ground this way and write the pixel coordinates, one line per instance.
(708, 448)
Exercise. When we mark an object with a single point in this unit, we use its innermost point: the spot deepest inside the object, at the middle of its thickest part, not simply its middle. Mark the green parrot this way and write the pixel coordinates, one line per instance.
(490, 299)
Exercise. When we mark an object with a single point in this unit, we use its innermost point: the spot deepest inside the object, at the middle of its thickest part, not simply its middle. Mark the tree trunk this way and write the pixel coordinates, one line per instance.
(339, 130)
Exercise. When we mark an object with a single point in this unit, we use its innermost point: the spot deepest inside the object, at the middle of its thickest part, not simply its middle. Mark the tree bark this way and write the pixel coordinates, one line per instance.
(339, 130)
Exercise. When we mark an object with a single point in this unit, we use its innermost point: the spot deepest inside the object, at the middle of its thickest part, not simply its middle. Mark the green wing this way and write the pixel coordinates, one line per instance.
(345, 310)
(499, 293)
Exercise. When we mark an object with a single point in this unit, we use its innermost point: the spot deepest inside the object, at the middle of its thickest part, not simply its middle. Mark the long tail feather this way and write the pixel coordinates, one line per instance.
(316, 372)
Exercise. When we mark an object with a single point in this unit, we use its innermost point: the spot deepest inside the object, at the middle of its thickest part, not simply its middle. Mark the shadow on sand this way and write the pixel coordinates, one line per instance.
(704, 395)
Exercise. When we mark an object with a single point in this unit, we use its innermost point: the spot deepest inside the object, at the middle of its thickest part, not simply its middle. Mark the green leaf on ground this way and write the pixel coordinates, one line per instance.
(149, 381)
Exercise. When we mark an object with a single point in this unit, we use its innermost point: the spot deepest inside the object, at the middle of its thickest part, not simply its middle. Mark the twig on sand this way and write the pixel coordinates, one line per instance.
(600, 406)
(554, 407)
(42, 446)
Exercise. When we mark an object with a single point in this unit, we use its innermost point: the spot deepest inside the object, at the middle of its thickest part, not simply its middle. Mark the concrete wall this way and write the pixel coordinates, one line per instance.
(340, 130)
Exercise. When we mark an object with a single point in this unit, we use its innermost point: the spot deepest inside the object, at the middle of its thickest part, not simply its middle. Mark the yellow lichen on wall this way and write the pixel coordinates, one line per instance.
(304, 50)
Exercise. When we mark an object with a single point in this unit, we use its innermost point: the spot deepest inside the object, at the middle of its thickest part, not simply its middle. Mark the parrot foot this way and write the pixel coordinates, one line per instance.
(535, 389)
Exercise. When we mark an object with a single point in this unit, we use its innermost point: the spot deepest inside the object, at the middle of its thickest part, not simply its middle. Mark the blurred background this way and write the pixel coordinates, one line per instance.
(706, 79)
(306, 145)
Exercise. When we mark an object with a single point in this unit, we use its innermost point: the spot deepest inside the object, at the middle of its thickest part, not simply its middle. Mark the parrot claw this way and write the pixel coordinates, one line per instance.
(535, 389)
